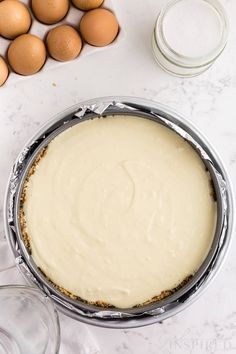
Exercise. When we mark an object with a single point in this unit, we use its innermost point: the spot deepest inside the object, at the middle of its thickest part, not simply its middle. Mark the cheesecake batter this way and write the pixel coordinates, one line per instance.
(118, 210)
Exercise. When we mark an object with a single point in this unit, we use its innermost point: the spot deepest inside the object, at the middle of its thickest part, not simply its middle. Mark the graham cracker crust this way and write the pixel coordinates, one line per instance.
(25, 236)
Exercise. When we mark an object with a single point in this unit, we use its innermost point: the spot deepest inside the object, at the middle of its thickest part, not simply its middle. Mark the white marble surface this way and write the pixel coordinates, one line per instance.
(209, 325)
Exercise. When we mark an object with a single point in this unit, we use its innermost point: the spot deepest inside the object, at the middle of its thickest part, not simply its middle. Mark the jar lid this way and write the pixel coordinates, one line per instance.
(192, 33)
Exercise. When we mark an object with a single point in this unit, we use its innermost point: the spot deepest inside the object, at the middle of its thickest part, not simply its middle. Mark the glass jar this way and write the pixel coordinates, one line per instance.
(189, 36)
(28, 322)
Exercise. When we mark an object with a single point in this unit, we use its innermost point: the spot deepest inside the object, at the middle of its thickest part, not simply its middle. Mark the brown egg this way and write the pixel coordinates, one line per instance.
(50, 11)
(26, 54)
(86, 5)
(4, 72)
(63, 43)
(99, 27)
(15, 18)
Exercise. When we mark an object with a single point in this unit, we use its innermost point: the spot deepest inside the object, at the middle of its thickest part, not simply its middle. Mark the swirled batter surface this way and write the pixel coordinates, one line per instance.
(118, 210)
